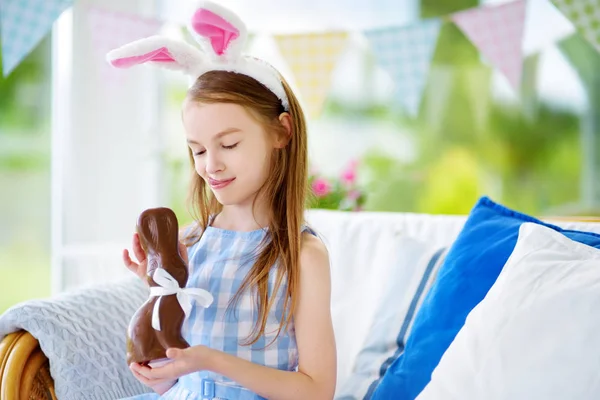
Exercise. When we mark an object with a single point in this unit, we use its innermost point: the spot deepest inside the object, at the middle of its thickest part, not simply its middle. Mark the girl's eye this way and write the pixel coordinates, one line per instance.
(199, 153)
(230, 147)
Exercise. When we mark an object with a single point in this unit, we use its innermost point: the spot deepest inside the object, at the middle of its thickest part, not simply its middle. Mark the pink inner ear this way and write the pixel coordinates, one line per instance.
(210, 25)
(158, 55)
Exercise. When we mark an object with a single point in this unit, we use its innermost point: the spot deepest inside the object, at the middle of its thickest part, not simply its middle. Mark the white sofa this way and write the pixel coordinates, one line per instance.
(368, 252)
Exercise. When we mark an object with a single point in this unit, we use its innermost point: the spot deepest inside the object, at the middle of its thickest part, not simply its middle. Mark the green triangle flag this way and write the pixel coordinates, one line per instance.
(585, 15)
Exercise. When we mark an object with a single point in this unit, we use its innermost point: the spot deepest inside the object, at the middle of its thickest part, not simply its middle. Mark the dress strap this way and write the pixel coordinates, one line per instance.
(308, 229)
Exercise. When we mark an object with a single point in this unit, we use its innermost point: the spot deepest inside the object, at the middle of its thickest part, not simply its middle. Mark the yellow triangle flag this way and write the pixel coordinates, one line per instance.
(311, 58)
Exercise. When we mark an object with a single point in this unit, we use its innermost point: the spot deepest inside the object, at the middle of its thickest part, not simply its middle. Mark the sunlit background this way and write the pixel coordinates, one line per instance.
(84, 149)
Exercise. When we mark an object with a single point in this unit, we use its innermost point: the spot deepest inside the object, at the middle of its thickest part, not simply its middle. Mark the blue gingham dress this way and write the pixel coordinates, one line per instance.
(218, 263)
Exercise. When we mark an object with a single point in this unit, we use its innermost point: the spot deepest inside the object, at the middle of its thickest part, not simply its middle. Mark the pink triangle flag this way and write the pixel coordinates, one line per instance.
(497, 31)
(110, 29)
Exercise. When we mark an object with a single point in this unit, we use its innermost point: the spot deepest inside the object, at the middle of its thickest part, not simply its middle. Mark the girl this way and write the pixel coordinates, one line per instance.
(268, 333)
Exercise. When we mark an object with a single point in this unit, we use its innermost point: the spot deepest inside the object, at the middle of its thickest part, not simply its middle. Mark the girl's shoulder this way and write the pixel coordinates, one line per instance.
(314, 256)
(311, 243)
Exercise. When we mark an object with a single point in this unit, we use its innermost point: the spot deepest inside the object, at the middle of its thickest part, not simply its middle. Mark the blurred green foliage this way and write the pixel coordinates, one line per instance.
(24, 93)
(25, 272)
(526, 155)
(25, 177)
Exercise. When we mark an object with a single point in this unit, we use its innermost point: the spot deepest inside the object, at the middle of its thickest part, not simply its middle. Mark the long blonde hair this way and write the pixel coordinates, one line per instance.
(285, 191)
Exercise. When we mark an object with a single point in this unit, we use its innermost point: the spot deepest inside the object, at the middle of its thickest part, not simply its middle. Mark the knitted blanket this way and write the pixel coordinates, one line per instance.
(83, 334)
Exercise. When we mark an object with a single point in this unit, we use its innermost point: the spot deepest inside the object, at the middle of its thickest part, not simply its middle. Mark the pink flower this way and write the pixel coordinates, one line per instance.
(321, 187)
(353, 195)
(349, 174)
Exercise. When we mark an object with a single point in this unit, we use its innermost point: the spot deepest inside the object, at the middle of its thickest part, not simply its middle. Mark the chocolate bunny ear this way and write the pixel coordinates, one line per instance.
(161, 51)
(220, 32)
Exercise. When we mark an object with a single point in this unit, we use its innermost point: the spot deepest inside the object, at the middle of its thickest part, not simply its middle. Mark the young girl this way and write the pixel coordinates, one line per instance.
(268, 333)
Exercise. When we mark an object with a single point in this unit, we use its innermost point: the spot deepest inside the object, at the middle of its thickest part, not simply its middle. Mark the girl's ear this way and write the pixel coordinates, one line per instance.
(286, 121)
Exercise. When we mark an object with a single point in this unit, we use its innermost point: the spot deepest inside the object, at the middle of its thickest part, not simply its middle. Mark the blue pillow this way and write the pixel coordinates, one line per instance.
(471, 267)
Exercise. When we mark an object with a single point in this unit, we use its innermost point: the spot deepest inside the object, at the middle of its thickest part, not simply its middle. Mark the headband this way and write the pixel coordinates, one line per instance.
(222, 36)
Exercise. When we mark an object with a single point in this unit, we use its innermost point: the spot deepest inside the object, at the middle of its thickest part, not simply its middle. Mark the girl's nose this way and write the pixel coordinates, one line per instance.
(214, 164)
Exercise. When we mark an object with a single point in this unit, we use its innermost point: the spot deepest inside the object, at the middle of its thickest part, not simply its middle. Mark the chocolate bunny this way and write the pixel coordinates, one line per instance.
(156, 325)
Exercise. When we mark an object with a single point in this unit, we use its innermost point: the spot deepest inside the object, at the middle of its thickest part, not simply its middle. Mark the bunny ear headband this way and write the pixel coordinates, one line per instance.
(222, 35)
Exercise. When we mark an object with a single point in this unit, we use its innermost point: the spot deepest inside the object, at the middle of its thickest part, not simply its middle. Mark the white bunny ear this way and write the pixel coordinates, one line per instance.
(219, 30)
(158, 50)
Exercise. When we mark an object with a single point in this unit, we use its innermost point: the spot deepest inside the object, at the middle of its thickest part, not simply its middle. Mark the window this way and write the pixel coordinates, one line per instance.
(25, 179)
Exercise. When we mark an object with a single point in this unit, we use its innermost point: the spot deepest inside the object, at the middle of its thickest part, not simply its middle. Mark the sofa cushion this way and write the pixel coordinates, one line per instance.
(535, 334)
(471, 267)
(408, 280)
(83, 334)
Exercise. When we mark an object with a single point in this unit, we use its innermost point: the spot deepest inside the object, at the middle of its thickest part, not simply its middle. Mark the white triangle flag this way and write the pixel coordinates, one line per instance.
(405, 52)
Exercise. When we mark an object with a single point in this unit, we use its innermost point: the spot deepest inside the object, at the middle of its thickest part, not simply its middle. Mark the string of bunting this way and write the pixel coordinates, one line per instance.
(405, 52)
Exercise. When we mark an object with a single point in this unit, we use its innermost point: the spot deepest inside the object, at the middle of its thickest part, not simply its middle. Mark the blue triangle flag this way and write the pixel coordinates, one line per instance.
(24, 23)
(405, 52)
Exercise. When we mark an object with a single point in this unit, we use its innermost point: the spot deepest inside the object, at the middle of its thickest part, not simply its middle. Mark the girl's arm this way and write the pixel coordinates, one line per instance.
(316, 374)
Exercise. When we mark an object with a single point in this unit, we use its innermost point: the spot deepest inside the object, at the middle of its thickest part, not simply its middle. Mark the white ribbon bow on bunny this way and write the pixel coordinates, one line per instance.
(169, 286)
(222, 35)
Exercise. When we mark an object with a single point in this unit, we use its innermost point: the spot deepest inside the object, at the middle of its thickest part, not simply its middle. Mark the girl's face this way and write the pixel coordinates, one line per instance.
(232, 150)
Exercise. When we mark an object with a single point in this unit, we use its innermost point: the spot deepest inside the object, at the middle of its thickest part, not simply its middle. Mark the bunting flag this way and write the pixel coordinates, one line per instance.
(311, 58)
(110, 29)
(497, 31)
(405, 53)
(585, 15)
(24, 23)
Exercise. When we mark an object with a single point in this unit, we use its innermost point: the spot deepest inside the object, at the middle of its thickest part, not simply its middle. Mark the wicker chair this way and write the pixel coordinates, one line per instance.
(24, 369)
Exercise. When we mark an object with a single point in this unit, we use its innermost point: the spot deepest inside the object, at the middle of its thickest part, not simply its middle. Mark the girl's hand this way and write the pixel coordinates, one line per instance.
(141, 267)
(160, 386)
(184, 362)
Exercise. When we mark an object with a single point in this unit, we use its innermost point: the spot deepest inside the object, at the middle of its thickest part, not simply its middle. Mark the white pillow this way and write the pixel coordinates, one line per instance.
(363, 252)
(402, 293)
(536, 335)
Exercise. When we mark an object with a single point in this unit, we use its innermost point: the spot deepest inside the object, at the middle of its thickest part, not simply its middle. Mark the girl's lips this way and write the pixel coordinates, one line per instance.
(215, 184)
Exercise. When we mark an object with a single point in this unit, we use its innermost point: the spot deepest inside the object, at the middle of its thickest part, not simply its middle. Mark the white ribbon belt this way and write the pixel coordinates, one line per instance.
(168, 286)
